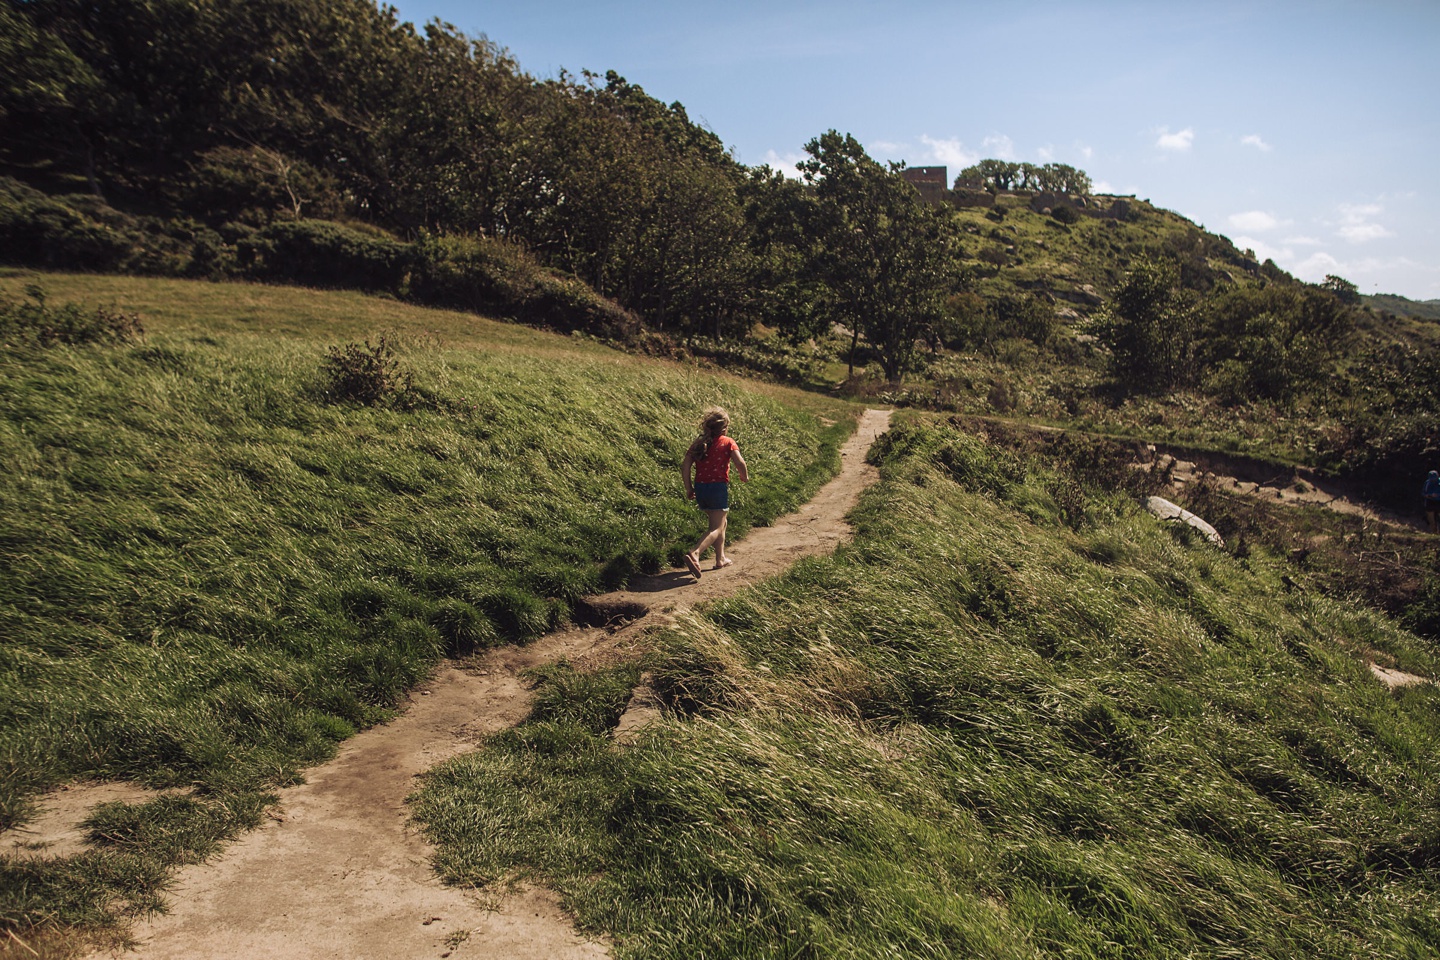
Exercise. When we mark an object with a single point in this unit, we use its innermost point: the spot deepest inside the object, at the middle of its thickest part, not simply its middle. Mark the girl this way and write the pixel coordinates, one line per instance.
(711, 455)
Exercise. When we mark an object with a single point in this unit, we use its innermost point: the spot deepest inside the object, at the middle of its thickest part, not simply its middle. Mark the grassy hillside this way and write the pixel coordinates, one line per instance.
(1404, 307)
(212, 569)
(1016, 248)
(1017, 718)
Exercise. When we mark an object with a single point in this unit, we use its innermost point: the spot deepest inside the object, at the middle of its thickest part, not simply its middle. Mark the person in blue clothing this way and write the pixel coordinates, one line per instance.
(1432, 501)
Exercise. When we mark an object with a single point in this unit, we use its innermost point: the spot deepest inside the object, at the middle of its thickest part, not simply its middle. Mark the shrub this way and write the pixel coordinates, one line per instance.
(34, 321)
(254, 185)
(323, 254)
(38, 231)
(367, 374)
(495, 277)
(1064, 213)
(1024, 315)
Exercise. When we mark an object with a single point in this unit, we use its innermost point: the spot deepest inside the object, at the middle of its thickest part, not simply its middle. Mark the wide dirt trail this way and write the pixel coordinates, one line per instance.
(339, 872)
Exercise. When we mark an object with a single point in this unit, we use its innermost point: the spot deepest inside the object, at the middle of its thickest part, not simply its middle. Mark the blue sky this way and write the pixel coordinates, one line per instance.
(1306, 131)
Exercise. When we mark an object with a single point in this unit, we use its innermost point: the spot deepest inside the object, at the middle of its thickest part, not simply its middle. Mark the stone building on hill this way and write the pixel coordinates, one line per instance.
(930, 181)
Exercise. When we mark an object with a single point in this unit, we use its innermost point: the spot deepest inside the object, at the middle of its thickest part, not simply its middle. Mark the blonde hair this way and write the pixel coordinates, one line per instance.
(712, 425)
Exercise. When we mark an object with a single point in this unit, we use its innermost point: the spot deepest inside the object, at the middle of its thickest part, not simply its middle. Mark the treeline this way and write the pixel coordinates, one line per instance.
(999, 176)
(241, 115)
(270, 110)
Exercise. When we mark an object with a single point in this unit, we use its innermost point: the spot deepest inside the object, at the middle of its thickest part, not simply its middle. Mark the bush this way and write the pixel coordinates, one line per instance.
(495, 277)
(323, 254)
(33, 321)
(366, 374)
(255, 185)
(38, 231)
(1065, 214)
(1024, 315)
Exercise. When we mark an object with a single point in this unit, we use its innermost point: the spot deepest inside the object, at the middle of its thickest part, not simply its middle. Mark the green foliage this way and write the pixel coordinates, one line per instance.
(33, 321)
(1023, 315)
(999, 176)
(494, 277)
(981, 731)
(884, 254)
(36, 230)
(323, 254)
(1275, 342)
(1064, 213)
(1150, 328)
(255, 185)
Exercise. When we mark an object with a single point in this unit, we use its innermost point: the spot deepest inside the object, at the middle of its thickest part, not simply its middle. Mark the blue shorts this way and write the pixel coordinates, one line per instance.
(712, 496)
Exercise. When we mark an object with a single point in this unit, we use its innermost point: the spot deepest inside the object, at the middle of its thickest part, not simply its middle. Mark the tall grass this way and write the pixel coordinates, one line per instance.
(997, 725)
(210, 573)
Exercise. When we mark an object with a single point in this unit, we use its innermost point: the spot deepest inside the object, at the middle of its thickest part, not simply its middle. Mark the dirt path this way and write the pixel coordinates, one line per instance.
(339, 872)
(1300, 486)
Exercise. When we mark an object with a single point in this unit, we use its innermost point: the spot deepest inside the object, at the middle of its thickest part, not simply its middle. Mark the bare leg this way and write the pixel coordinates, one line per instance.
(720, 559)
(711, 539)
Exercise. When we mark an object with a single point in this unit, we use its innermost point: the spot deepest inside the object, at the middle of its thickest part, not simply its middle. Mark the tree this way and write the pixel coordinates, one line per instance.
(1150, 328)
(1275, 342)
(883, 253)
(1345, 291)
(784, 240)
(997, 176)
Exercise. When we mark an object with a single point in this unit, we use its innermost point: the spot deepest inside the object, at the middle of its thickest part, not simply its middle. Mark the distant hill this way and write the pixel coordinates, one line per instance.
(1404, 307)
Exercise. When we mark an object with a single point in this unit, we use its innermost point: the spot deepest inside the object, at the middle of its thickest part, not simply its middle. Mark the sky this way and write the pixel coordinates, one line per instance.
(1308, 132)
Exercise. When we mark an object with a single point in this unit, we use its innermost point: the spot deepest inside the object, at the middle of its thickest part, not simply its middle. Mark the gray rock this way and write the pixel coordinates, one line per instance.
(1166, 510)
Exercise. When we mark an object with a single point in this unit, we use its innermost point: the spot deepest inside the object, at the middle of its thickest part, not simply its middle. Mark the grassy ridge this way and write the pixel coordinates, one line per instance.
(209, 574)
(1014, 719)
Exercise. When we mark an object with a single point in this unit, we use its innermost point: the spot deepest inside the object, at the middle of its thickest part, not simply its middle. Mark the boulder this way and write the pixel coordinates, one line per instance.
(1166, 510)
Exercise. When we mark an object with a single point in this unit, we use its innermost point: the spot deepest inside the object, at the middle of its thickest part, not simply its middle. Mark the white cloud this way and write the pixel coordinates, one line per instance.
(1253, 220)
(1302, 241)
(1355, 212)
(1178, 142)
(887, 148)
(1315, 267)
(1102, 187)
(785, 163)
(1086, 152)
(1253, 140)
(1363, 232)
(1355, 224)
(999, 146)
(1045, 154)
(1263, 251)
(950, 152)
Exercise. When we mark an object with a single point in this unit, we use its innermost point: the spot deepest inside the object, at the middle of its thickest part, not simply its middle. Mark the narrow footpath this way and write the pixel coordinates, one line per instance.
(338, 871)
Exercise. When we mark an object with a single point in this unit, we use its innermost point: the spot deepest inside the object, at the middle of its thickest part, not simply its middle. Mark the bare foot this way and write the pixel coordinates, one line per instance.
(722, 563)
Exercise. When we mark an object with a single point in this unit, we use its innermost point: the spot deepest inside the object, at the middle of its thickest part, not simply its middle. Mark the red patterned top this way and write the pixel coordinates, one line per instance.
(715, 468)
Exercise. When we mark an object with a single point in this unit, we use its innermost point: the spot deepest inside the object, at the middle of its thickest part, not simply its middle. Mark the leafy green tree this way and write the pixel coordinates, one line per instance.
(885, 255)
(1023, 315)
(1345, 291)
(997, 176)
(1062, 178)
(782, 214)
(1150, 327)
(1275, 342)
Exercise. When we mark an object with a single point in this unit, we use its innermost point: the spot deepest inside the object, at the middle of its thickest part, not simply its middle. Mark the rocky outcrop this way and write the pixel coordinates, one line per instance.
(1175, 513)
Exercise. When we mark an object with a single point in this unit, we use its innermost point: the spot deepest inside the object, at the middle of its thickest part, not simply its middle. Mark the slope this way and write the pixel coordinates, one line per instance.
(214, 569)
(1016, 718)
